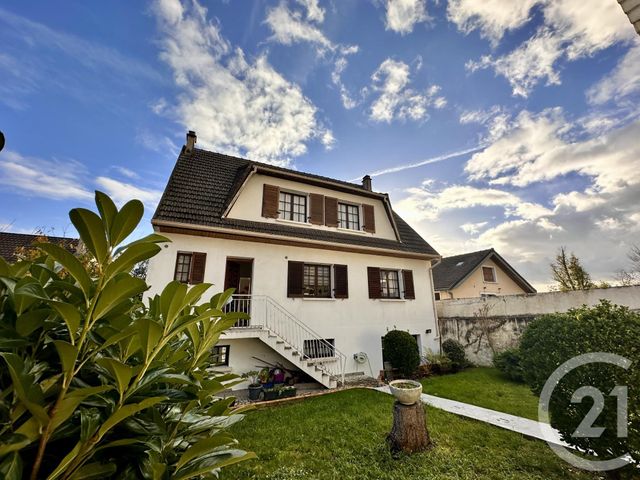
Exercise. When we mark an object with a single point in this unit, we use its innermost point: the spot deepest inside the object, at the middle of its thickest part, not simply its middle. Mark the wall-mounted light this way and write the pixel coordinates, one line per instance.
(427, 331)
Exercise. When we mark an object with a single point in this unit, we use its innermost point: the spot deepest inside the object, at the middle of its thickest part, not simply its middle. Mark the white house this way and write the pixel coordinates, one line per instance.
(324, 267)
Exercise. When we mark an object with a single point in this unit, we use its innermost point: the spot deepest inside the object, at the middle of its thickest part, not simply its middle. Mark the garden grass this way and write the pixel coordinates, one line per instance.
(342, 436)
(485, 387)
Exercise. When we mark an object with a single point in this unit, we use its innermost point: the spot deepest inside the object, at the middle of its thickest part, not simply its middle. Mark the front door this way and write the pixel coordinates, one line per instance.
(239, 275)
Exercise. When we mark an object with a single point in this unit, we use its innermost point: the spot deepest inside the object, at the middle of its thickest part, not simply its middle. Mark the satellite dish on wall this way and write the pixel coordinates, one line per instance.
(1, 141)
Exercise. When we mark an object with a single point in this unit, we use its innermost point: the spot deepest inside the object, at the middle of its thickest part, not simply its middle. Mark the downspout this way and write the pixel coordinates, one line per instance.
(433, 302)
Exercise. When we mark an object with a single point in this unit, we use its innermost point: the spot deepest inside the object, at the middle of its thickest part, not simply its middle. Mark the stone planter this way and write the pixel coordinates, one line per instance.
(407, 392)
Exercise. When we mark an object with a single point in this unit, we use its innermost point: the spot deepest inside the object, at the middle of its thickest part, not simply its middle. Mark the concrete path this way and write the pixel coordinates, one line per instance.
(527, 427)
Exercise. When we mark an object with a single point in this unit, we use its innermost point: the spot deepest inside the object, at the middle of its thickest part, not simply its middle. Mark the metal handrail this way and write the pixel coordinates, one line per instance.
(274, 317)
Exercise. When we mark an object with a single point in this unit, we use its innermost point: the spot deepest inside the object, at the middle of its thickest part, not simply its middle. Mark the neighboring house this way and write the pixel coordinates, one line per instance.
(11, 242)
(324, 267)
(477, 274)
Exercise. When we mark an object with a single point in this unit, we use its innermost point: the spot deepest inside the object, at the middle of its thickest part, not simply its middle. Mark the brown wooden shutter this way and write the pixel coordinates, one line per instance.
(369, 219)
(340, 281)
(409, 290)
(317, 209)
(373, 279)
(196, 273)
(295, 287)
(270, 201)
(330, 212)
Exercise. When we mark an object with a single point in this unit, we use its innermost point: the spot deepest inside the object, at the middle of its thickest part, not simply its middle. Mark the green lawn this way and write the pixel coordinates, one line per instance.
(485, 387)
(342, 436)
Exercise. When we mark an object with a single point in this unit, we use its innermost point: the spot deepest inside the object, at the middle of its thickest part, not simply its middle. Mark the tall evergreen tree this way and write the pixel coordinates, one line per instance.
(569, 272)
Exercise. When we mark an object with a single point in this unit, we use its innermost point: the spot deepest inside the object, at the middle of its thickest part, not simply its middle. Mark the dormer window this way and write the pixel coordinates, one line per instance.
(293, 207)
(348, 216)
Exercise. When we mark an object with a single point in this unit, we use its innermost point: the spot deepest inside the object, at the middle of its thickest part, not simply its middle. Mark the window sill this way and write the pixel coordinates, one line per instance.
(318, 299)
(392, 299)
(293, 222)
(351, 230)
(220, 369)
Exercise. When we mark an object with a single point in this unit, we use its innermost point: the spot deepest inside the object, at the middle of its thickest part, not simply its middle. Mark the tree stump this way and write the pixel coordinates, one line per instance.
(409, 433)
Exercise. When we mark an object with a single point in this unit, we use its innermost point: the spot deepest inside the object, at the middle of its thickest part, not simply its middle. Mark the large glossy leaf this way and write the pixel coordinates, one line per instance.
(11, 467)
(203, 447)
(151, 238)
(5, 269)
(94, 470)
(172, 301)
(89, 423)
(26, 292)
(65, 462)
(25, 388)
(119, 289)
(69, 314)
(13, 443)
(119, 371)
(213, 462)
(92, 233)
(127, 219)
(131, 256)
(30, 321)
(107, 210)
(70, 263)
(71, 402)
(68, 354)
(125, 412)
(149, 334)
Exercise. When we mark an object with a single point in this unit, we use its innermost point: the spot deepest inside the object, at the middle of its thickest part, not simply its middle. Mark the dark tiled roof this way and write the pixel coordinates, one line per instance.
(9, 242)
(203, 183)
(453, 270)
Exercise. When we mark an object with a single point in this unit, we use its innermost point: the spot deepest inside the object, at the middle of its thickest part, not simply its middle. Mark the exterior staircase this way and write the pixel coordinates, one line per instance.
(283, 332)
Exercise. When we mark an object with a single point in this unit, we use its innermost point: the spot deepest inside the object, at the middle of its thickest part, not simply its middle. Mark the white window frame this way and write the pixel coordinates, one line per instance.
(495, 273)
(306, 212)
(360, 222)
(331, 280)
(400, 285)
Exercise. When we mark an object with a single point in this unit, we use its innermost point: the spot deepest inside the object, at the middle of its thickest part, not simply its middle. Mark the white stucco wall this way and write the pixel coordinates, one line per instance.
(249, 205)
(356, 323)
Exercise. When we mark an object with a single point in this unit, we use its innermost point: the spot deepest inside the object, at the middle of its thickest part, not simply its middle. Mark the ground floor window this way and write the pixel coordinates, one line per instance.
(220, 355)
(319, 348)
(317, 281)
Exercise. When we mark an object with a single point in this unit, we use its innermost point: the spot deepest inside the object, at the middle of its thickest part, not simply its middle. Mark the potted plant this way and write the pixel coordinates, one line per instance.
(407, 392)
(254, 384)
(288, 391)
(271, 393)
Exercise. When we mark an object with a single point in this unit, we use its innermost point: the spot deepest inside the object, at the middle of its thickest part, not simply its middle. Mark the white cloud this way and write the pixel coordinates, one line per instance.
(157, 143)
(236, 106)
(315, 13)
(290, 26)
(403, 15)
(492, 17)
(622, 82)
(122, 192)
(473, 228)
(396, 100)
(52, 179)
(539, 148)
(572, 29)
(496, 120)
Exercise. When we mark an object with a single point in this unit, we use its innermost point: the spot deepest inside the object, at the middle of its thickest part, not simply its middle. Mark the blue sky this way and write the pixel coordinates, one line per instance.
(502, 124)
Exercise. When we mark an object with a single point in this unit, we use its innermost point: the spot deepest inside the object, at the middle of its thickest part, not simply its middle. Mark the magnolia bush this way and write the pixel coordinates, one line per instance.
(94, 384)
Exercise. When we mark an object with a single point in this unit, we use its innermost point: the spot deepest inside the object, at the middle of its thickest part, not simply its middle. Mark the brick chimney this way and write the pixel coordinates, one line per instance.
(191, 141)
(366, 182)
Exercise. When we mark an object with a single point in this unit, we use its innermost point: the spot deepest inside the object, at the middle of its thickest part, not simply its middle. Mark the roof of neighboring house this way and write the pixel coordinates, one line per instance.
(203, 184)
(452, 271)
(632, 9)
(10, 242)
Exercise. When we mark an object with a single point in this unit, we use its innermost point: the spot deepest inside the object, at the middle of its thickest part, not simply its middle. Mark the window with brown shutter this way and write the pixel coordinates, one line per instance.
(340, 281)
(295, 279)
(270, 198)
(373, 280)
(409, 290)
(198, 261)
(316, 213)
(369, 219)
(330, 212)
(190, 267)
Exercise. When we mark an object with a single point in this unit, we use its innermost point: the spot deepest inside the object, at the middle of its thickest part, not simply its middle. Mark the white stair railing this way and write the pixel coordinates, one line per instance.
(310, 346)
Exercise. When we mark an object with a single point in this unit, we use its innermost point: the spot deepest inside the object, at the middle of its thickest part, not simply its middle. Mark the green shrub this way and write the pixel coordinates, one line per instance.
(553, 339)
(401, 349)
(508, 362)
(94, 384)
(439, 364)
(455, 352)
